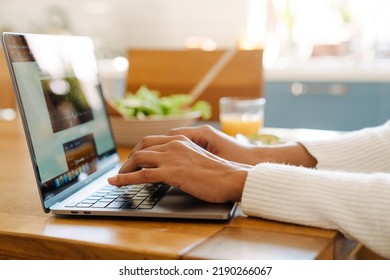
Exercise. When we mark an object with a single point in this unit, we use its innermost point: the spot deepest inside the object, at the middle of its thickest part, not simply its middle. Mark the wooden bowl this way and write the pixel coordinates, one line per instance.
(128, 132)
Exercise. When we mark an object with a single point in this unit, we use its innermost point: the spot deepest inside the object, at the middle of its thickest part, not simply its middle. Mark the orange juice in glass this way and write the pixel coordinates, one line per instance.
(239, 115)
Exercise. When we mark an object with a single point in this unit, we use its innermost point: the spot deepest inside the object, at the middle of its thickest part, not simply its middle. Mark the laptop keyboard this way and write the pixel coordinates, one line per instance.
(127, 197)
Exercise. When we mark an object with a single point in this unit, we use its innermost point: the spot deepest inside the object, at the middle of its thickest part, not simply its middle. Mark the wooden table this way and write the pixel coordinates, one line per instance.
(26, 232)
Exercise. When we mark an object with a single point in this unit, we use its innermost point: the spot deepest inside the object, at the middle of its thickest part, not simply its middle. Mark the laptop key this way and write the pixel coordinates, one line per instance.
(116, 192)
(106, 200)
(111, 196)
(120, 199)
(163, 188)
(141, 196)
(91, 201)
(132, 204)
(84, 205)
(135, 187)
(127, 196)
(100, 204)
(94, 196)
(71, 204)
(116, 204)
(152, 200)
(101, 193)
(129, 193)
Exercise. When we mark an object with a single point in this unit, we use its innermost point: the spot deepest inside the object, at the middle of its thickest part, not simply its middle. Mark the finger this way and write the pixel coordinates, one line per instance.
(153, 140)
(199, 134)
(187, 131)
(146, 142)
(146, 175)
(141, 159)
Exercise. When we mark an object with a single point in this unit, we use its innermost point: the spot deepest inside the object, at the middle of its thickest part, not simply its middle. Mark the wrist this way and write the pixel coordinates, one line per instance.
(235, 183)
(290, 153)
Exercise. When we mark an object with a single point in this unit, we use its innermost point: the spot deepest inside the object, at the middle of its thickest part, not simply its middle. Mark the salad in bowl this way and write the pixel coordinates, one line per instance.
(147, 113)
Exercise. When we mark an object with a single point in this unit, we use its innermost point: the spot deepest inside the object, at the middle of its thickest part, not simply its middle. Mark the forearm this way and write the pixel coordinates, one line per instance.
(291, 154)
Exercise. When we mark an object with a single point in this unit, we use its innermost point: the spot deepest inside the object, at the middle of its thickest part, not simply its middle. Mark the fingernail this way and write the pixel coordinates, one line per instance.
(112, 180)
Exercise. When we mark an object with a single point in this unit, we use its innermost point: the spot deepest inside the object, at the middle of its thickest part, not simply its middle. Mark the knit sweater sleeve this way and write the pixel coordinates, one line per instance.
(366, 150)
(355, 199)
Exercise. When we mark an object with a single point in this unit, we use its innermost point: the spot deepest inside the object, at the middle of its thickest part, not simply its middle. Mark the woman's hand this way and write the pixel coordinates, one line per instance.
(217, 143)
(229, 148)
(177, 161)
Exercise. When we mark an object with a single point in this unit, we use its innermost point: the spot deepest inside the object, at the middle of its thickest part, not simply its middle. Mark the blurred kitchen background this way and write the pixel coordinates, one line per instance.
(326, 62)
(301, 28)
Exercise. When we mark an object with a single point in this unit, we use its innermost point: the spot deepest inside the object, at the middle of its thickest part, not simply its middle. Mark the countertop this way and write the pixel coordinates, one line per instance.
(329, 69)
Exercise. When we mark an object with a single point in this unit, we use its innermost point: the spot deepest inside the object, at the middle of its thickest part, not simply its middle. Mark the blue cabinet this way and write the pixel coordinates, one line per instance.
(340, 106)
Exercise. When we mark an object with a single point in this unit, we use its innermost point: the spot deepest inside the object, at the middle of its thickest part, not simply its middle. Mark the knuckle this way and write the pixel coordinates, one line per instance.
(136, 158)
(147, 175)
(206, 128)
(177, 143)
(181, 138)
(144, 142)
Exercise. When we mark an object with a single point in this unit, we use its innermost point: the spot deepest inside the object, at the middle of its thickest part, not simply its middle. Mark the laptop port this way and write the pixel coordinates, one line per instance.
(87, 212)
(74, 212)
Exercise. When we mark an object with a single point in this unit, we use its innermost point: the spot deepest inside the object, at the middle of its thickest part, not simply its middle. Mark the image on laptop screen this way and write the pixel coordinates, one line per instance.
(62, 102)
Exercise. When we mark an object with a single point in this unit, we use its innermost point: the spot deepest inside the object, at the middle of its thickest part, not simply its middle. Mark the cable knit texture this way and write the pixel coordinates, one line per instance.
(349, 191)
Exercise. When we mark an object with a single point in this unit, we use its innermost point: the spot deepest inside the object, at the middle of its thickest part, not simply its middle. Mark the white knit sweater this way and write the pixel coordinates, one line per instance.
(349, 191)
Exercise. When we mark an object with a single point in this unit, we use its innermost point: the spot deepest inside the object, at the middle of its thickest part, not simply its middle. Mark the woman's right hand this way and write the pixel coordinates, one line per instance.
(227, 147)
(218, 143)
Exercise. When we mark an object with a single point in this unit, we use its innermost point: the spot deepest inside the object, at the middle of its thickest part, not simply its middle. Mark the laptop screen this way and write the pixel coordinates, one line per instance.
(61, 103)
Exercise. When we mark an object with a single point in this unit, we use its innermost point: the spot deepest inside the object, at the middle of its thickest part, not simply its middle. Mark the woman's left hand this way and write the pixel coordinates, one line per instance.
(177, 161)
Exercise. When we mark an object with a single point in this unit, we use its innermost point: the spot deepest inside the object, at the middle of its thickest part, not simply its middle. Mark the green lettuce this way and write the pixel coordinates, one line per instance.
(146, 102)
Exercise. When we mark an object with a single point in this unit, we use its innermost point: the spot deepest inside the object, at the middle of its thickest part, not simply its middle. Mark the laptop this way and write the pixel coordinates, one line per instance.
(69, 136)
